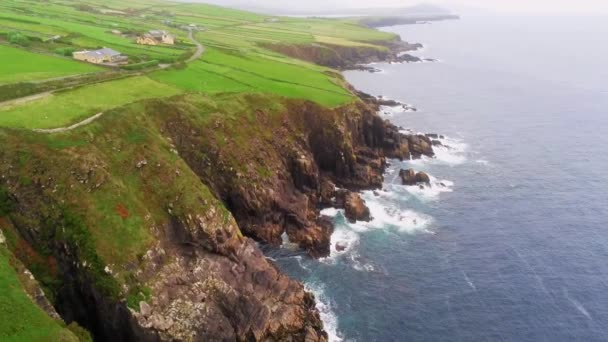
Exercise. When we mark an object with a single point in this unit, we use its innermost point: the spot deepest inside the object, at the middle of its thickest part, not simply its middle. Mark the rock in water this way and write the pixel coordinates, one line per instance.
(355, 208)
(408, 177)
(420, 145)
(422, 177)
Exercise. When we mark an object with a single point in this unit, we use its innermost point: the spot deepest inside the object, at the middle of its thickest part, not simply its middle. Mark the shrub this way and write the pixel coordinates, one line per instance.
(18, 38)
(6, 204)
(81, 333)
(65, 51)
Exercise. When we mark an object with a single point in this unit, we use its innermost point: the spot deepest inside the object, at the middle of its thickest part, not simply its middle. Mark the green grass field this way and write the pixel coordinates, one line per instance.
(236, 58)
(220, 71)
(20, 65)
(63, 109)
(21, 319)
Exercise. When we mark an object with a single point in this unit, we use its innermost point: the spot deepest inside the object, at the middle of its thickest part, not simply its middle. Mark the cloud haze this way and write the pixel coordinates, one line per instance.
(507, 6)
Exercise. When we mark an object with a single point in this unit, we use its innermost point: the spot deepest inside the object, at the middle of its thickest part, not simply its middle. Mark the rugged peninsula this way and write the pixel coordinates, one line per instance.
(142, 223)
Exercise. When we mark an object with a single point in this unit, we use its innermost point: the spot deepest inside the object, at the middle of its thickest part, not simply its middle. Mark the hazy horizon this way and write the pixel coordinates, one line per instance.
(551, 7)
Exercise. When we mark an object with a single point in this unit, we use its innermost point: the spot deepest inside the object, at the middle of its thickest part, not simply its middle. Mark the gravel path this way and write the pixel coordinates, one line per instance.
(200, 49)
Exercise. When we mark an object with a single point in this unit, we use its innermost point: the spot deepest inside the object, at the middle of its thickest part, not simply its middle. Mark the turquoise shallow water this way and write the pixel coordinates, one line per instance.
(515, 247)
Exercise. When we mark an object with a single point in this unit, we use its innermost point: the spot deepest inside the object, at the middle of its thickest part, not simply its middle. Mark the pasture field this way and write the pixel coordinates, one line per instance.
(236, 57)
(65, 108)
(20, 65)
(221, 71)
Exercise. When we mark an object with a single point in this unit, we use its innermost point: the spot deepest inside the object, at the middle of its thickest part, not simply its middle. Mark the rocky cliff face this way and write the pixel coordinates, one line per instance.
(276, 183)
(136, 231)
(349, 57)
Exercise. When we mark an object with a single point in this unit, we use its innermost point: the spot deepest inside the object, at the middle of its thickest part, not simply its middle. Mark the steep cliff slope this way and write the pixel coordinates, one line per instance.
(133, 229)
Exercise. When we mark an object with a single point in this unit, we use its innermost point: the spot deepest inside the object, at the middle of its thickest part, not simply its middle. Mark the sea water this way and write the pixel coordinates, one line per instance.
(511, 241)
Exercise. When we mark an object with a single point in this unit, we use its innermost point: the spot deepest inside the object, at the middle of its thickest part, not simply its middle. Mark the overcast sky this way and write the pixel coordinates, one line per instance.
(506, 6)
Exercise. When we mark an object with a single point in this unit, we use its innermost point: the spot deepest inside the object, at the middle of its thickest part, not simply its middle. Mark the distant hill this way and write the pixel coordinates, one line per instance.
(421, 9)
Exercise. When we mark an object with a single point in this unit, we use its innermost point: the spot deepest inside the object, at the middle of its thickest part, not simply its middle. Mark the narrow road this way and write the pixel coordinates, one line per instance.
(69, 128)
(200, 49)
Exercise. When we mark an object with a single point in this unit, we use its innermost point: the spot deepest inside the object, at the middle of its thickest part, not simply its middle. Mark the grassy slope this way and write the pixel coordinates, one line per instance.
(62, 109)
(120, 204)
(20, 65)
(20, 318)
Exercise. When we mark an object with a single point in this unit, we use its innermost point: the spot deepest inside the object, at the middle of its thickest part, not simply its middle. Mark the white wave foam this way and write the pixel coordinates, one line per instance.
(324, 305)
(431, 192)
(330, 212)
(360, 265)
(385, 213)
(343, 241)
(399, 109)
(300, 261)
(452, 151)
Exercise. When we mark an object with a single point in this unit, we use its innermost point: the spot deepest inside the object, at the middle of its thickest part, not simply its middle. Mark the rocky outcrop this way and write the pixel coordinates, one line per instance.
(275, 184)
(411, 177)
(420, 145)
(350, 57)
(354, 206)
(422, 177)
(408, 177)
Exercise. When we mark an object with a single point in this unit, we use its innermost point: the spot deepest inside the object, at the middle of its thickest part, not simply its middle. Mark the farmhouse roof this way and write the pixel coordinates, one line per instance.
(108, 52)
(102, 52)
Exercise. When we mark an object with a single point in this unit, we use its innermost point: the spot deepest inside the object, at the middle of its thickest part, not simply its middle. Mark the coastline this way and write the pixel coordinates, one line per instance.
(272, 187)
(384, 108)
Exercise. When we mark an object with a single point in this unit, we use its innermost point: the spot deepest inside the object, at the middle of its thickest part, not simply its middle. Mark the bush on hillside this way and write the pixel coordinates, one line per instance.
(65, 51)
(18, 38)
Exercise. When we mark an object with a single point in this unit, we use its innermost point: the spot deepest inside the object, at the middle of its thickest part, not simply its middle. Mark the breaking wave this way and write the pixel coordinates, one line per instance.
(325, 307)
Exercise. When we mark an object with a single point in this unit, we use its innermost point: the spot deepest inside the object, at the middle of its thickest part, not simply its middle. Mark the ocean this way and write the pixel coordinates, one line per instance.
(511, 242)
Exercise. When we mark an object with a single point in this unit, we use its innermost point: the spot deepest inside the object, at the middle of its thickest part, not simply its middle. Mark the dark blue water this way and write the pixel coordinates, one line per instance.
(515, 247)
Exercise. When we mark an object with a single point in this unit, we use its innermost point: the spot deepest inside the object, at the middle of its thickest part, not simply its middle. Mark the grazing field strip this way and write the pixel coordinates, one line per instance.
(65, 108)
(20, 65)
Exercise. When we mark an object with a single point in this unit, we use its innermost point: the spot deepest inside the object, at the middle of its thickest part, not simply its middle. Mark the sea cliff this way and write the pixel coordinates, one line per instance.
(200, 180)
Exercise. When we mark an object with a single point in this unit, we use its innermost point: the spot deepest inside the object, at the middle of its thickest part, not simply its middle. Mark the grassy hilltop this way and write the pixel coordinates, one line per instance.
(85, 209)
(236, 57)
